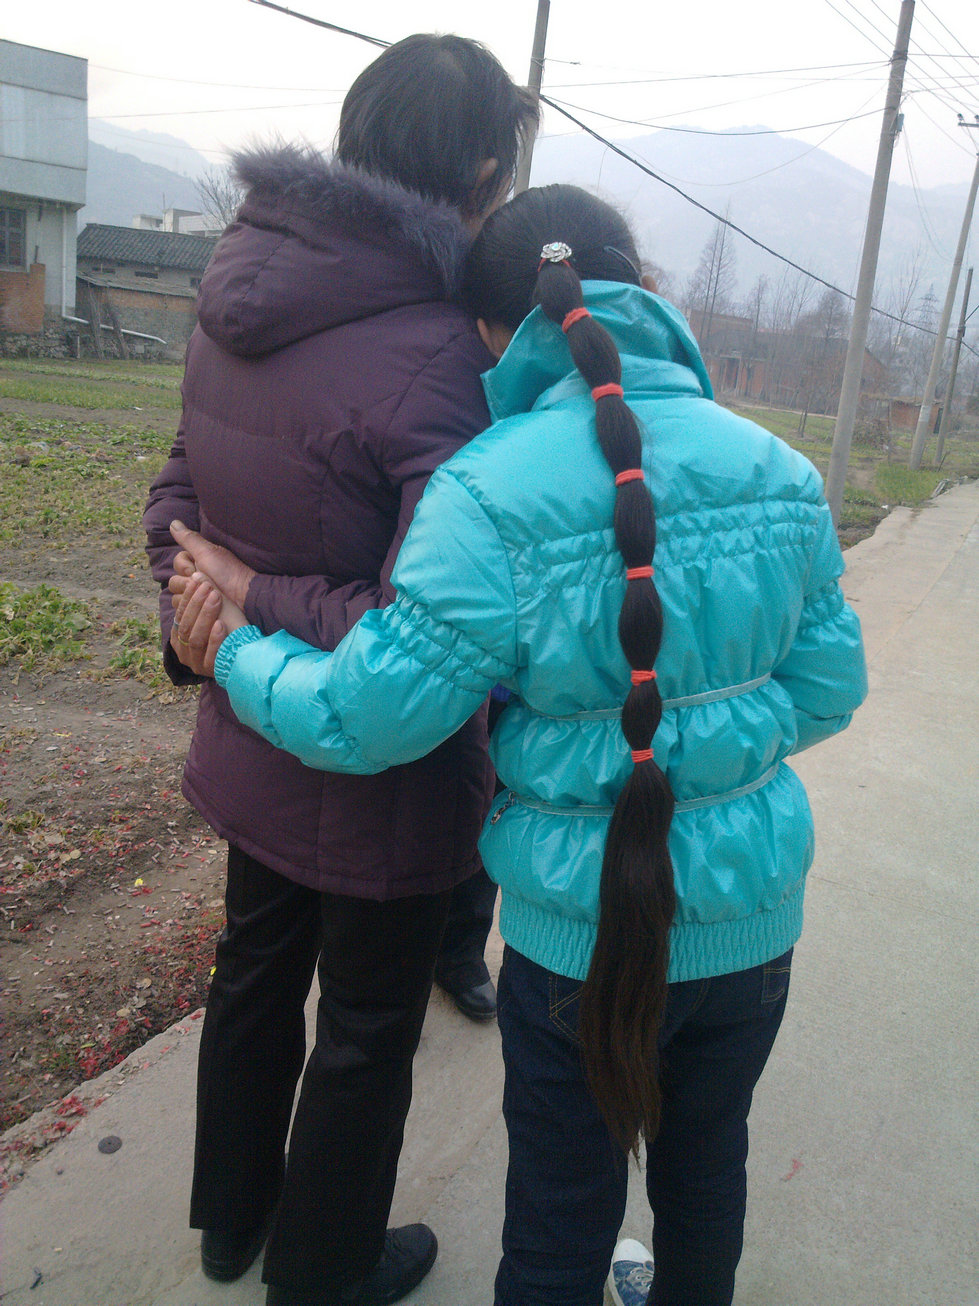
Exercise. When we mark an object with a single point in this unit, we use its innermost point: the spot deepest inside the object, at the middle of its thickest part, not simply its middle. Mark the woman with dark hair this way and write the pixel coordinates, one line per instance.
(330, 375)
(657, 582)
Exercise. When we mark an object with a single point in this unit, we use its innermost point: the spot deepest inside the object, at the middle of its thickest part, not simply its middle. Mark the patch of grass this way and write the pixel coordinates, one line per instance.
(58, 478)
(784, 423)
(860, 509)
(40, 628)
(25, 820)
(898, 484)
(163, 376)
(88, 386)
(138, 657)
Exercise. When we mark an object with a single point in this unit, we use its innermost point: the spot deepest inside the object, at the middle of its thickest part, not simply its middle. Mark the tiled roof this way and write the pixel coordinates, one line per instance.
(158, 249)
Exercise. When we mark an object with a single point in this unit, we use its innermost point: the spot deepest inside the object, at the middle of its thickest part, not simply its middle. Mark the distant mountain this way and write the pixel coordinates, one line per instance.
(120, 186)
(131, 172)
(803, 202)
(158, 148)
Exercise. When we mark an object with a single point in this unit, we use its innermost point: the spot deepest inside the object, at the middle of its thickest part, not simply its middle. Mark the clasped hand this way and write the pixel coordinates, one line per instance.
(203, 612)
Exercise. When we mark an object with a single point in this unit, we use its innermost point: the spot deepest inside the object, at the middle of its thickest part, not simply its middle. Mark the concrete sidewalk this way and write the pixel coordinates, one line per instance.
(864, 1168)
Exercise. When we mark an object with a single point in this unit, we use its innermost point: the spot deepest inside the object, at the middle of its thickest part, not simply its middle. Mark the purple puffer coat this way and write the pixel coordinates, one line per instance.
(328, 378)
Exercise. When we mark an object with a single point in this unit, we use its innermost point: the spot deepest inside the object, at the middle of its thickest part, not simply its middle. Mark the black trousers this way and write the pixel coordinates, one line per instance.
(460, 962)
(376, 962)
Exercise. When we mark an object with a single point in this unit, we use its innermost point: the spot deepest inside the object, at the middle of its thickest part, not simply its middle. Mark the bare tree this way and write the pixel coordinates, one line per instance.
(220, 195)
(711, 288)
(666, 284)
(892, 340)
(785, 305)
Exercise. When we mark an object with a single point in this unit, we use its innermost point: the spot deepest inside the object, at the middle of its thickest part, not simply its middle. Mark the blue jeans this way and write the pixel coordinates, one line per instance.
(567, 1179)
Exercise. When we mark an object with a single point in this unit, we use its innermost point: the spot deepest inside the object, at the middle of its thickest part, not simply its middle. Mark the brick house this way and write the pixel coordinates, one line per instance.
(141, 283)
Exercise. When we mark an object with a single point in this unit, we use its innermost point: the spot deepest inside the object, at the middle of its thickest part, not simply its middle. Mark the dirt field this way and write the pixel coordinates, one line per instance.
(110, 885)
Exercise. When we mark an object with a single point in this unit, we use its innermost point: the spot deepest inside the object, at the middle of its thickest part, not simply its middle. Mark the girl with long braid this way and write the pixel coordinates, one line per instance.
(656, 581)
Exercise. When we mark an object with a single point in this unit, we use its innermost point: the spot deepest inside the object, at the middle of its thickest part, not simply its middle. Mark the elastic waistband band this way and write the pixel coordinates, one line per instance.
(689, 700)
(689, 805)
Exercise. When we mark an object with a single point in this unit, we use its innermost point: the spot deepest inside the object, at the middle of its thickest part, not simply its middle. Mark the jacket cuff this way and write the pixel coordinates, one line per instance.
(229, 651)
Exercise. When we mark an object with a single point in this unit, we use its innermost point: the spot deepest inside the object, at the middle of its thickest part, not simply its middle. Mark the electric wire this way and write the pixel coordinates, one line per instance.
(928, 9)
(319, 22)
(911, 76)
(704, 77)
(610, 145)
(920, 25)
(706, 131)
(925, 223)
(244, 108)
(227, 86)
(760, 244)
(913, 80)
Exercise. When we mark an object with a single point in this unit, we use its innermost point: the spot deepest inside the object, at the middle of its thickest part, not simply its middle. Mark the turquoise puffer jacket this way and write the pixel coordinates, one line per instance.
(510, 574)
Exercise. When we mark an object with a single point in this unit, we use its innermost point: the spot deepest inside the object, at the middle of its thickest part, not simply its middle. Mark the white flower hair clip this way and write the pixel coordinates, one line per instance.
(556, 251)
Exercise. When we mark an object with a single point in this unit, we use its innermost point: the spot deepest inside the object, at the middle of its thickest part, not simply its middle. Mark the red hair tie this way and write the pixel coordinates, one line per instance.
(602, 391)
(638, 573)
(642, 755)
(640, 677)
(574, 316)
(630, 474)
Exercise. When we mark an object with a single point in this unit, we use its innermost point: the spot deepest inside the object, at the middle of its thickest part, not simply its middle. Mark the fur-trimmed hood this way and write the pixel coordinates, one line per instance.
(317, 244)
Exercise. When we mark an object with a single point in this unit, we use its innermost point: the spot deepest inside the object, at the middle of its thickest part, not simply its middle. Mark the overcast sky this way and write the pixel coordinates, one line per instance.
(218, 73)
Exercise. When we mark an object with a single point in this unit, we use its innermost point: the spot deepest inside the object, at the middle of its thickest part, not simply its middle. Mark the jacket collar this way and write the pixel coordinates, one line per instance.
(657, 348)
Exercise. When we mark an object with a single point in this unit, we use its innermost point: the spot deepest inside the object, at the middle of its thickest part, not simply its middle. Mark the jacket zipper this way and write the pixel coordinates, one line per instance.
(500, 810)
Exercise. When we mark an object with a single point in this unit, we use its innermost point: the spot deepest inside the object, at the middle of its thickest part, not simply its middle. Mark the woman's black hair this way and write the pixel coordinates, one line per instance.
(429, 112)
(624, 994)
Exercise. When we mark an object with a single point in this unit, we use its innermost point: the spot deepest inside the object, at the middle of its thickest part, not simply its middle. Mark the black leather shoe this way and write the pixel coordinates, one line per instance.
(409, 1253)
(226, 1256)
(477, 1002)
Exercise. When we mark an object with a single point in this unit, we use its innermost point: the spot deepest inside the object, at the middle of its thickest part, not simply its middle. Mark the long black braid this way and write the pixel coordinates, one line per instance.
(624, 994)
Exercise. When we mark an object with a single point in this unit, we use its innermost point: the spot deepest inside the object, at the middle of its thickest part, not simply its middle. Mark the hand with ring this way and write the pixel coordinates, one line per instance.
(202, 618)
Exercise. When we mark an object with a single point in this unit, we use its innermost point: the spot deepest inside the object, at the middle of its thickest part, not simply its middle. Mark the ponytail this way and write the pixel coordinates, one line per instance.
(624, 994)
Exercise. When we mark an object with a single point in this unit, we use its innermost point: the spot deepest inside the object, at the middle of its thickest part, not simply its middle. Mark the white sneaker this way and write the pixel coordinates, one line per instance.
(631, 1275)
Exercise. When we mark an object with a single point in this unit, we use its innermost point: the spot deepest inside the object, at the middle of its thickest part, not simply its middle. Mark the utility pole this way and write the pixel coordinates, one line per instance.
(853, 369)
(921, 431)
(534, 83)
(950, 388)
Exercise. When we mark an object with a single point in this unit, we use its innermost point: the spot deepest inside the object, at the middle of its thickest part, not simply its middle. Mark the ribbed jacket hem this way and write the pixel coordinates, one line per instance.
(697, 951)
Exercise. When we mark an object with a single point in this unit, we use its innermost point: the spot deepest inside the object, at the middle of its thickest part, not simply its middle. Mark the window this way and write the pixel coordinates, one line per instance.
(152, 273)
(13, 227)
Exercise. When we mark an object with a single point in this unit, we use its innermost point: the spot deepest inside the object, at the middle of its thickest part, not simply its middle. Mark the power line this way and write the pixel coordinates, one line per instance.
(227, 86)
(243, 108)
(697, 77)
(932, 239)
(865, 65)
(723, 104)
(720, 217)
(931, 11)
(636, 163)
(319, 22)
(969, 89)
(918, 84)
(705, 131)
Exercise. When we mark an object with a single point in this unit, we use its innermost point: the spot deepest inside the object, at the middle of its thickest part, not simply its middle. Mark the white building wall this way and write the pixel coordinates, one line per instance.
(44, 157)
